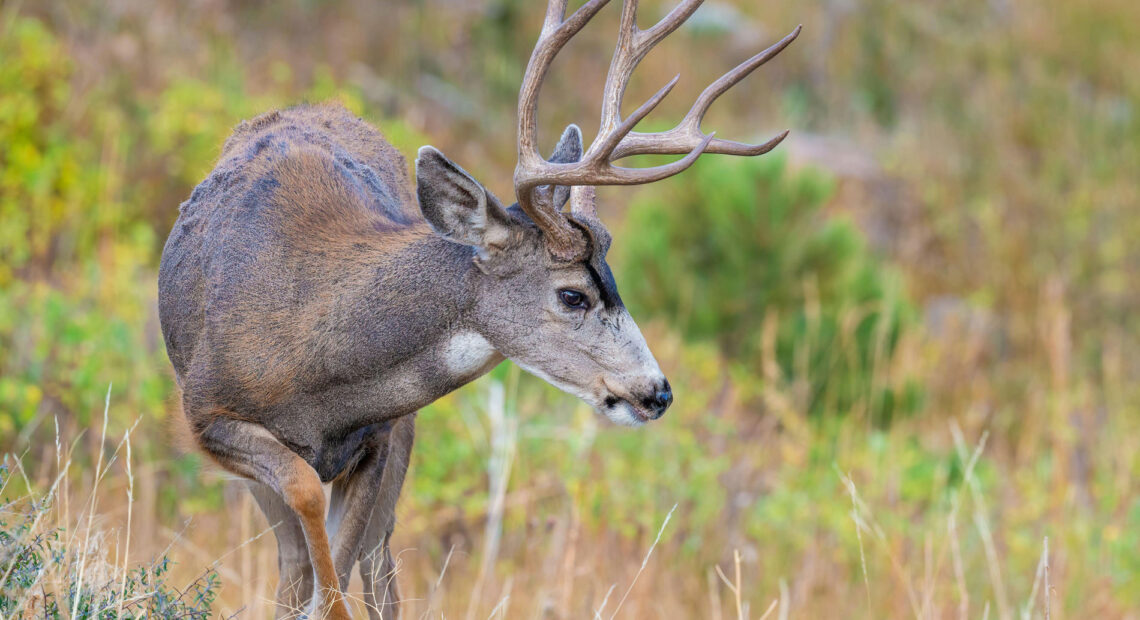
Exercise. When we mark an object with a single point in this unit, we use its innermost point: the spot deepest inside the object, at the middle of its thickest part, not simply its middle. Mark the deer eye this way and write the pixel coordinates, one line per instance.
(573, 299)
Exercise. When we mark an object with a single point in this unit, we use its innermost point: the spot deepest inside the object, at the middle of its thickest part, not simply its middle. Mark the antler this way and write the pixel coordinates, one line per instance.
(616, 138)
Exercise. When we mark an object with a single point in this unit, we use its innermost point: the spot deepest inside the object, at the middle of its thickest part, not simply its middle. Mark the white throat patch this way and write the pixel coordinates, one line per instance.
(467, 353)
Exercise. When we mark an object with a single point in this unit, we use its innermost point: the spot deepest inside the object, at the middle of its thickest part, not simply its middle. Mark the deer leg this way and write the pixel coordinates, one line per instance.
(353, 498)
(250, 451)
(377, 569)
(294, 570)
(378, 572)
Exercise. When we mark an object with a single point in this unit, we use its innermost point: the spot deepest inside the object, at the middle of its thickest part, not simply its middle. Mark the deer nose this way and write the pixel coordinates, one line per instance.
(661, 399)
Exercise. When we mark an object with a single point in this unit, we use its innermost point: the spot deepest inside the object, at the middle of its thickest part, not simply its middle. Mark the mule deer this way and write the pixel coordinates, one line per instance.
(309, 308)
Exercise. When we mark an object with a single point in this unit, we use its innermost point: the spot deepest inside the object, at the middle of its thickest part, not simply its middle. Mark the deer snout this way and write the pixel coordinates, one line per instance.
(658, 399)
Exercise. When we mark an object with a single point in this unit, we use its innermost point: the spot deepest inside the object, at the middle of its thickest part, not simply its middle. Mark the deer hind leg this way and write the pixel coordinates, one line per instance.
(294, 570)
(354, 495)
(252, 452)
(377, 569)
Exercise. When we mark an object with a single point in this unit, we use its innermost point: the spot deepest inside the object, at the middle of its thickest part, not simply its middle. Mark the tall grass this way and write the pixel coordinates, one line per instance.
(57, 560)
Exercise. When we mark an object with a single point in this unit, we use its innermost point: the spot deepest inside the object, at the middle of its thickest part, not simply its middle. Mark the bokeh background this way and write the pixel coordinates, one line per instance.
(903, 344)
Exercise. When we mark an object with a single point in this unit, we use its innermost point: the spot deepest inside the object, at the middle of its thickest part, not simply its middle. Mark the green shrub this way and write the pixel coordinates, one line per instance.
(741, 242)
(50, 179)
(43, 571)
(59, 351)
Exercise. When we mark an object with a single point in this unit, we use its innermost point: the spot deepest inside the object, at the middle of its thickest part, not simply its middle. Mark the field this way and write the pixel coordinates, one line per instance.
(902, 345)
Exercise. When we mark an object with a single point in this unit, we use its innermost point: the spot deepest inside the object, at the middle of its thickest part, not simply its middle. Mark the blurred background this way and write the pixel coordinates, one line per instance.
(899, 343)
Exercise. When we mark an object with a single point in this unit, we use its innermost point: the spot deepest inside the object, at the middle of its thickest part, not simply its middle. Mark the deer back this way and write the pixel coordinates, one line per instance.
(265, 269)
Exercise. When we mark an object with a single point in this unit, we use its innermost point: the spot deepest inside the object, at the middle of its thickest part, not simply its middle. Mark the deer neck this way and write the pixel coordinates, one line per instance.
(420, 330)
(399, 337)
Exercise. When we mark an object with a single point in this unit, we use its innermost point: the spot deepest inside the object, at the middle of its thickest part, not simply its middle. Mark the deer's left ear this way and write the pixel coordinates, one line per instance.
(456, 205)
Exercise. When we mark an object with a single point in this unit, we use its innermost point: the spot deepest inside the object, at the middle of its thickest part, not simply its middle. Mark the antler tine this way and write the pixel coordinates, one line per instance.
(618, 175)
(607, 141)
(616, 138)
(555, 11)
(688, 132)
(622, 64)
(556, 32)
(582, 197)
(728, 80)
(632, 46)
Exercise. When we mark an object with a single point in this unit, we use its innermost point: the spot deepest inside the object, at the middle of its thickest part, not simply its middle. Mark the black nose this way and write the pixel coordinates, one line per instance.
(661, 399)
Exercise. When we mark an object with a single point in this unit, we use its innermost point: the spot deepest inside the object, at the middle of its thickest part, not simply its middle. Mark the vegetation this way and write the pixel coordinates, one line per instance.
(741, 244)
(901, 345)
(47, 571)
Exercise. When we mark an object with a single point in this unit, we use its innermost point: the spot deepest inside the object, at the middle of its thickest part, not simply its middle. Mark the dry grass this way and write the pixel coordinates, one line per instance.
(58, 557)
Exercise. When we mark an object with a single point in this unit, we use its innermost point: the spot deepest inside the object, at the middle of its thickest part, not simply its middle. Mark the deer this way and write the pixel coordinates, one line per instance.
(312, 300)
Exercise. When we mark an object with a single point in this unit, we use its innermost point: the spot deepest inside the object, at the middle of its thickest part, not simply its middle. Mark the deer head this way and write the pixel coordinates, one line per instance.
(544, 295)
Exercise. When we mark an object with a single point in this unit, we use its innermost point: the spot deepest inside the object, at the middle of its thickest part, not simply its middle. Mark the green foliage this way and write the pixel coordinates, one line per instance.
(739, 248)
(60, 350)
(49, 176)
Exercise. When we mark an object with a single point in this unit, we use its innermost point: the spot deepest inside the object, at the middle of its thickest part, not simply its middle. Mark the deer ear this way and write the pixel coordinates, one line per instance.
(455, 205)
(567, 151)
(569, 147)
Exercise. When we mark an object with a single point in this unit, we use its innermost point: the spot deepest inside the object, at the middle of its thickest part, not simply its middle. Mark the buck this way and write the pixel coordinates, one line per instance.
(309, 308)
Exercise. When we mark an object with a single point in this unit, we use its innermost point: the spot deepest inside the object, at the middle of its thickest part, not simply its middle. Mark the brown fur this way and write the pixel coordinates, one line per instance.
(303, 493)
(177, 426)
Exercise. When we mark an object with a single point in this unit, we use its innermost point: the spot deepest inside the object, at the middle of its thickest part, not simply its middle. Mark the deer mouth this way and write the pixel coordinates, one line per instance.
(624, 410)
